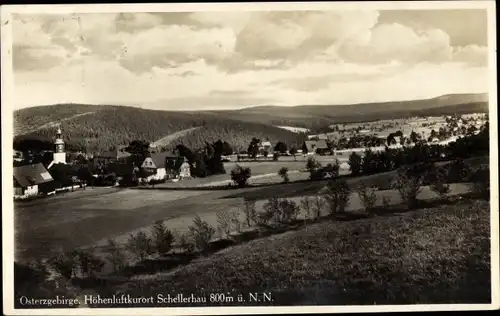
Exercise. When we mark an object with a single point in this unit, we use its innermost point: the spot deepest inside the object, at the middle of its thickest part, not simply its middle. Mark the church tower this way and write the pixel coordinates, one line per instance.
(59, 153)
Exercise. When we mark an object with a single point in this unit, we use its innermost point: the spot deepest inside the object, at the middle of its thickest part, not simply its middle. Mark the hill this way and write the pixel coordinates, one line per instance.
(101, 127)
(310, 116)
(104, 127)
(432, 255)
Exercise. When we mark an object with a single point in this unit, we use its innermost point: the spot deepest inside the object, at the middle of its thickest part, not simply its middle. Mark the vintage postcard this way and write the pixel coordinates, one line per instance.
(249, 158)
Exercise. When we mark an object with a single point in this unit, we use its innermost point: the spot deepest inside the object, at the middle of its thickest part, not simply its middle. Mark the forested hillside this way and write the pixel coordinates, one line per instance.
(312, 116)
(101, 127)
(110, 126)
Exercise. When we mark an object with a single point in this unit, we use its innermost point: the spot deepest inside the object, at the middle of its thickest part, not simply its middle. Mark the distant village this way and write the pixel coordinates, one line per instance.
(108, 169)
(56, 170)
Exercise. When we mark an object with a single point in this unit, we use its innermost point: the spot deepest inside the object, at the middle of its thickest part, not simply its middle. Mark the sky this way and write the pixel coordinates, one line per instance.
(226, 60)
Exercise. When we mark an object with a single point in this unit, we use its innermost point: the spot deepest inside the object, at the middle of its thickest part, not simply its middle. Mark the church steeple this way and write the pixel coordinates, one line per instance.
(59, 153)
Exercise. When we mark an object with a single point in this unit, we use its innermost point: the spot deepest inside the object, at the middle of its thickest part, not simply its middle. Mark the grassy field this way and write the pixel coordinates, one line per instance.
(426, 256)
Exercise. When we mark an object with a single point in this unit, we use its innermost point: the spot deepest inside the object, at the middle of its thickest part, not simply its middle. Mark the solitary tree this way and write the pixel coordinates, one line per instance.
(283, 173)
(280, 147)
(253, 148)
(355, 163)
(240, 175)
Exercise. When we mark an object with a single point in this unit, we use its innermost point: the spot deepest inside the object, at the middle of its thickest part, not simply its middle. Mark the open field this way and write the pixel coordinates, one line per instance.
(427, 256)
(43, 228)
(263, 171)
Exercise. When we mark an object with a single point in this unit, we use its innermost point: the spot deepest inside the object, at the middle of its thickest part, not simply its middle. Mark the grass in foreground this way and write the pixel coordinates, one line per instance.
(428, 256)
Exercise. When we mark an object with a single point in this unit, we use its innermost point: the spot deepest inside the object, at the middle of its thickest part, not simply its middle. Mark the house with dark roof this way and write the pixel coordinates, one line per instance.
(112, 156)
(165, 166)
(316, 147)
(27, 178)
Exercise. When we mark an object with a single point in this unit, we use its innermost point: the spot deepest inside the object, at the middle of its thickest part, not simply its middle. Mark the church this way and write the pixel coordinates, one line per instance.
(28, 178)
(59, 152)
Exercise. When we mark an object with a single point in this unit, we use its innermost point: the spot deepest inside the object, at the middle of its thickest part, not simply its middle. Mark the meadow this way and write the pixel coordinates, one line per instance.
(432, 255)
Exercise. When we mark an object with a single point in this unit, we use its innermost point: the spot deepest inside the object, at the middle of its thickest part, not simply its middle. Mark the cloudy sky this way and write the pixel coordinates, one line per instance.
(223, 60)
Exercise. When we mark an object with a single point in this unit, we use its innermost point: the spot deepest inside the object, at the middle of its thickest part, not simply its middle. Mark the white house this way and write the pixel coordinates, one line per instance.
(28, 178)
(185, 170)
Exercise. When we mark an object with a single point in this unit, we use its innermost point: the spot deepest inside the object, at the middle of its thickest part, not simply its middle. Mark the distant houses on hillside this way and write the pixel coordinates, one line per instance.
(319, 147)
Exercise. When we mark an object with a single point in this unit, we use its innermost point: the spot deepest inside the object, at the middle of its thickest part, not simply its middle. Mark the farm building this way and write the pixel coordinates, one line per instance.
(315, 147)
(27, 179)
(265, 146)
(165, 166)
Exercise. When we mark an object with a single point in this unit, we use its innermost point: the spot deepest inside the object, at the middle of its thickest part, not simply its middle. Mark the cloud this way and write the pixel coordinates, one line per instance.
(471, 54)
(166, 46)
(218, 58)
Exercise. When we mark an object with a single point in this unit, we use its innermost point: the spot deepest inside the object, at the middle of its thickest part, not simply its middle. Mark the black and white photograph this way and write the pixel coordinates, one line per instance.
(216, 159)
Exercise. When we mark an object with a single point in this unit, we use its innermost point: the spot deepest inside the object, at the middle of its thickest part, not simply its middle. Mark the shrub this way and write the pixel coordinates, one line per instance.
(64, 263)
(88, 263)
(312, 165)
(337, 195)
(271, 210)
(307, 204)
(368, 197)
(408, 186)
(38, 271)
(250, 212)
(235, 219)
(240, 175)
(140, 245)
(283, 173)
(115, 256)
(202, 233)
(438, 183)
(481, 181)
(289, 210)
(162, 238)
(386, 201)
(186, 243)
(355, 163)
(318, 204)
(458, 171)
(224, 221)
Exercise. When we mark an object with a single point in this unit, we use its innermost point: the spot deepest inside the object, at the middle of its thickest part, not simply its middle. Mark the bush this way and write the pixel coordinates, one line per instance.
(386, 201)
(202, 233)
(408, 184)
(355, 163)
(271, 210)
(368, 197)
(337, 195)
(250, 212)
(306, 203)
(224, 222)
(115, 256)
(88, 263)
(186, 243)
(312, 165)
(38, 273)
(64, 263)
(140, 245)
(458, 171)
(240, 175)
(162, 238)
(283, 173)
(235, 219)
(318, 204)
(481, 181)
(280, 210)
(289, 211)
(438, 183)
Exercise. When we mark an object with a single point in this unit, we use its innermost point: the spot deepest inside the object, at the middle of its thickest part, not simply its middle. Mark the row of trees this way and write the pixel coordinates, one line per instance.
(392, 158)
